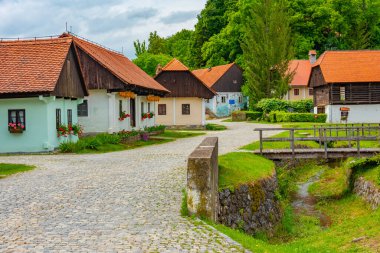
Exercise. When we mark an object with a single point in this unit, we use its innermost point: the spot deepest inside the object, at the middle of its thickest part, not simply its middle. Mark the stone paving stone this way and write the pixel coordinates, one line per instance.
(116, 202)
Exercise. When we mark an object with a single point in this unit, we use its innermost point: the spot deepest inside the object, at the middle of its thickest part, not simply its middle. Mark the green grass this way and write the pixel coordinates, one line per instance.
(215, 127)
(373, 175)
(184, 210)
(180, 134)
(333, 183)
(240, 168)
(9, 169)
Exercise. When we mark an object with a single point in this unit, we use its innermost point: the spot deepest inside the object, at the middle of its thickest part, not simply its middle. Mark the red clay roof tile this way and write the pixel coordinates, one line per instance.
(211, 75)
(175, 65)
(359, 66)
(31, 65)
(302, 69)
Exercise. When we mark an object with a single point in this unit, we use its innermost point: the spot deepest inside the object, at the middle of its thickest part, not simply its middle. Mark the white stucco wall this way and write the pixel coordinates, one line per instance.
(225, 109)
(357, 113)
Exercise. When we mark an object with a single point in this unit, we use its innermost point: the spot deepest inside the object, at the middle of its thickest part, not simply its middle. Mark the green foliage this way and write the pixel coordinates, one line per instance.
(149, 62)
(184, 209)
(267, 50)
(277, 116)
(179, 46)
(268, 105)
(180, 134)
(251, 115)
(7, 169)
(155, 128)
(241, 168)
(301, 105)
(140, 47)
(156, 44)
(215, 127)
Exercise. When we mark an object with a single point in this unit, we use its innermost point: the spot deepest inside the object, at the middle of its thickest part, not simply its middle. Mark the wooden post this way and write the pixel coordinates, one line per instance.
(292, 146)
(358, 141)
(315, 132)
(362, 129)
(320, 138)
(261, 141)
(325, 143)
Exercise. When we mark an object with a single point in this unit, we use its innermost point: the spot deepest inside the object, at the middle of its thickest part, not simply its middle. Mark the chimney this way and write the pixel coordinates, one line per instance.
(158, 69)
(209, 69)
(312, 56)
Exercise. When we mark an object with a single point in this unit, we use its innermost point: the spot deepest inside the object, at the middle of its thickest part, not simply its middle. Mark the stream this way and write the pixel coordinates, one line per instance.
(304, 203)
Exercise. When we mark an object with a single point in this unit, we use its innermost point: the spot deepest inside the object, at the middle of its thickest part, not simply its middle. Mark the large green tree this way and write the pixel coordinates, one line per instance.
(267, 48)
(149, 62)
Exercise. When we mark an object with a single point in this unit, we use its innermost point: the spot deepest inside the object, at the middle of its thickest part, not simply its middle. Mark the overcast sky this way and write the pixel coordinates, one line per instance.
(112, 23)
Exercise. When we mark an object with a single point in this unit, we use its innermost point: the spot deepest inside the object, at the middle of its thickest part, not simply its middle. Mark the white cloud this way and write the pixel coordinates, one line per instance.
(112, 23)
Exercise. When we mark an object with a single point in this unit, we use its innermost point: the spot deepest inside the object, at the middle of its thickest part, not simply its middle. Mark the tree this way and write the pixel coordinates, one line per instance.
(156, 44)
(179, 45)
(267, 48)
(149, 62)
(140, 48)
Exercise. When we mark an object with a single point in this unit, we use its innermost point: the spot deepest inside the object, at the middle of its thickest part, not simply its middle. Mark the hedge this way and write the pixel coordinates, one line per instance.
(253, 115)
(268, 105)
(278, 116)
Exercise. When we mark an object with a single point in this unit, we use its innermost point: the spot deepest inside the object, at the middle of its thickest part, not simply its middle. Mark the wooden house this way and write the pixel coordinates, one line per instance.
(121, 95)
(347, 86)
(41, 85)
(227, 81)
(185, 105)
(299, 86)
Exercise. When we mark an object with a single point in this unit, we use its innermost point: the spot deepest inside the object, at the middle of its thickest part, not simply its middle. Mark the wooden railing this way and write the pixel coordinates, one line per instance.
(323, 134)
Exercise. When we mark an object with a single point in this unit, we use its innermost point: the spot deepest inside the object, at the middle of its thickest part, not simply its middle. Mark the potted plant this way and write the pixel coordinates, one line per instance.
(16, 128)
(76, 129)
(123, 115)
(63, 131)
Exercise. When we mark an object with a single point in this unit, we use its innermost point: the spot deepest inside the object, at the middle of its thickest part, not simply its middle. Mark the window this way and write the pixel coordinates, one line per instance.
(162, 109)
(58, 118)
(240, 99)
(311, 92)
(120, 107)
(342, 93)
(148, 107)
(296, 92)
(17, 117)
(69, 117)
(142, 107)
(320, 109)
(185, 109)
(223, 99)
(83, 109)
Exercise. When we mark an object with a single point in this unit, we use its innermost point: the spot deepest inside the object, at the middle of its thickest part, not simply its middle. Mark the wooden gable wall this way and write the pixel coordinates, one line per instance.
(96, 76)
(226, 82)
(70, 83)
(183, 84)
(316, 78)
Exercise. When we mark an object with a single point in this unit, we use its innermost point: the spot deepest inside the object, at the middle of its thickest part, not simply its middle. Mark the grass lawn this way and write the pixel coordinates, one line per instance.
(215, 127)
(373, 175)
(180, 134)
(9, 169)
(240, 168)
(333, 183)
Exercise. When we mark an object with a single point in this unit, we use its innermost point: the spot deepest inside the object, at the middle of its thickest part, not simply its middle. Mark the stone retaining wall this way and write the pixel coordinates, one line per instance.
(252, 207)
(368, 191)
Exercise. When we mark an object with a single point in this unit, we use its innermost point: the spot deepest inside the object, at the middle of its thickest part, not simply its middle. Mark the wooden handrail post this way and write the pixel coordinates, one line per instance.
(358, 141)
(320, 138)
(315, 132)
(292, 142)
(261, 141)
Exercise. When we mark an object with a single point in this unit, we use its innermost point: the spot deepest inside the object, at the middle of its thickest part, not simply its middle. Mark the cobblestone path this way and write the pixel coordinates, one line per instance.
(117, 202)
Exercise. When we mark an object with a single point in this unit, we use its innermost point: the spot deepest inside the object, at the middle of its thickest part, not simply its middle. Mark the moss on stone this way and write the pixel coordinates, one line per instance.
(257, 196)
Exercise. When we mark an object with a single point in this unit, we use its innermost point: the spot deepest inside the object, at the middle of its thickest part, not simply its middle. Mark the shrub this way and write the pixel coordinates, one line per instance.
(108, 138)
(67, 147)
(268, 105)
(155, 128)
(297, 117)
(253, 115)
(302, 106)
(90, 143)
(215, 127)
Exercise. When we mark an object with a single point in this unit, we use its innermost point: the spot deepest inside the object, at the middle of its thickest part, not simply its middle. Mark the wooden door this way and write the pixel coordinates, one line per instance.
(132, 109)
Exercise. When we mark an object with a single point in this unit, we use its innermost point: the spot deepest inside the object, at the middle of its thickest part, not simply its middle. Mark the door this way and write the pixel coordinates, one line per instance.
(132, 109)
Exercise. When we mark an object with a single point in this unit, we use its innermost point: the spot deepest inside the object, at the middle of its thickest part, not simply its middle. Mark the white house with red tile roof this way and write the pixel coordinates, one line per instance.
(347, 86)
(41, 85)
(227, 81)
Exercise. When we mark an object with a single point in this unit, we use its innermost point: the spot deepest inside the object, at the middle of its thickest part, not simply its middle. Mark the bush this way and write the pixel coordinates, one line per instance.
(253, 115)
(268, 105)
(155, 128)
(215, 127)
(278, 116)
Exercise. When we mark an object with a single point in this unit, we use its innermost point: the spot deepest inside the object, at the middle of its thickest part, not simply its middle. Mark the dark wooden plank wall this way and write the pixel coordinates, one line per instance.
(356, 93)
(70, 84)
(317, 78)
(183, 84)
(96, 76)
(321, 95)
(226, 82)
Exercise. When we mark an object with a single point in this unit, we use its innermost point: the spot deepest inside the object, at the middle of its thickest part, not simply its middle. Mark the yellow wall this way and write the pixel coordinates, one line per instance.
(303, 94)
(174, 112)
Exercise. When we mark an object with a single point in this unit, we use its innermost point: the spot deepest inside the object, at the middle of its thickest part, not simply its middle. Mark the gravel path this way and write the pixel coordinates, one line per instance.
(117, 202)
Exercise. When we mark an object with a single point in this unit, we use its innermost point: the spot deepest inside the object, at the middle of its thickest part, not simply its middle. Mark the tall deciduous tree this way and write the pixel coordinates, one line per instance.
(156, 44)
(149, 62)
(267, 48)
(140, 47)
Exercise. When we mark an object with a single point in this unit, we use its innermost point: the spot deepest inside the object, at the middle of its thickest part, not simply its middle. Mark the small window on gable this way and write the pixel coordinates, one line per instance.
(69, 117)
(83, 109)
(311, 92)
(185, 109)
(17, 118)
(296, 92)
(58, 118)
(162, 109)
(223, 98)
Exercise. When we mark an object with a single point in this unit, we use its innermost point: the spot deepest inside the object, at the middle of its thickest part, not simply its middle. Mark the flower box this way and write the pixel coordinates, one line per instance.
(16, 130)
